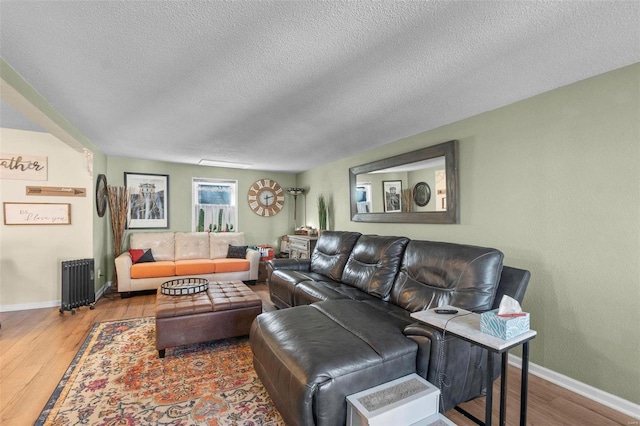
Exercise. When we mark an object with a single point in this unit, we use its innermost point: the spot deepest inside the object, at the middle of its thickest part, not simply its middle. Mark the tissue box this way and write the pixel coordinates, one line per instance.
(503, 327)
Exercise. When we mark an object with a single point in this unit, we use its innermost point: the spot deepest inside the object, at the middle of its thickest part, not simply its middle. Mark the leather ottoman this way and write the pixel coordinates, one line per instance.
(225, 310)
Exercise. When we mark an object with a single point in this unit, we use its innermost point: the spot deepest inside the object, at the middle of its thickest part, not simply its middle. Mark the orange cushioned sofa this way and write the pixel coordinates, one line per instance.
(180, 254)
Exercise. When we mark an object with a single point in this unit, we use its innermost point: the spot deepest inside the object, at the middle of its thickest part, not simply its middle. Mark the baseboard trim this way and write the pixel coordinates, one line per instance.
(48, 304)
(28, 306)
(102, 290)
(594, 394)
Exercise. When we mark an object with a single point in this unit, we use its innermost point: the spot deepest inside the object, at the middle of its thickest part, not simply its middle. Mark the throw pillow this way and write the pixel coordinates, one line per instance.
(141, 255)
(237, 252)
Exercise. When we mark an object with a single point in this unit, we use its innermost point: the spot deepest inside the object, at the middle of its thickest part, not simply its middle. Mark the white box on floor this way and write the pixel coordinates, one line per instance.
(403, 401)
(435, 420)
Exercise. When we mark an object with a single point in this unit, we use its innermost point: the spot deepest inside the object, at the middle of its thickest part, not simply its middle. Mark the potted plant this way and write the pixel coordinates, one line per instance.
(322, 213)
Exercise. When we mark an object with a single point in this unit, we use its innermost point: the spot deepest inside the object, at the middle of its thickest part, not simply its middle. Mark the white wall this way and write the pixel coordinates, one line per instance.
(31, 255)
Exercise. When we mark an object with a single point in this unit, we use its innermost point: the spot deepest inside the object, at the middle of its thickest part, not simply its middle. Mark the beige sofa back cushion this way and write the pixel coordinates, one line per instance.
(162, 244)
(220, 241)
(192, 245)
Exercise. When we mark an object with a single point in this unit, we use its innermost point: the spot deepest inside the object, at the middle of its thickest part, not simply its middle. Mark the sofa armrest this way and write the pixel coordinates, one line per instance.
(123, 271)
(423, 335)
(287, 264)
(253, 256)
(290, 264)
(454, 365)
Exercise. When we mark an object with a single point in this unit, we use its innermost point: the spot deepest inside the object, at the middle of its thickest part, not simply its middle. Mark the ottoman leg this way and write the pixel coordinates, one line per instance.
(160, 353)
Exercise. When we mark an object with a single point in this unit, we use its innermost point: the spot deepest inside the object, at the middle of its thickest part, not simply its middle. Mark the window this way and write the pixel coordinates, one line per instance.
(363, 197)
(215, 205)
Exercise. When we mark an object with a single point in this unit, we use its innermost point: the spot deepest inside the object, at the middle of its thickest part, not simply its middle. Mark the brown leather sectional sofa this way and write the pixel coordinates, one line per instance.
(344, 324)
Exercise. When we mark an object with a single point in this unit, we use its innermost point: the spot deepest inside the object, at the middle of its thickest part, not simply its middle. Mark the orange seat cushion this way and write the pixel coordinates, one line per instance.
(231, 265)
(195, 267)
(163, 268)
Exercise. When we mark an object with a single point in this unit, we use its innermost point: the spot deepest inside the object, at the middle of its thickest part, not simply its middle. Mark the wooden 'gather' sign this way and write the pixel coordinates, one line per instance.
(19, 166)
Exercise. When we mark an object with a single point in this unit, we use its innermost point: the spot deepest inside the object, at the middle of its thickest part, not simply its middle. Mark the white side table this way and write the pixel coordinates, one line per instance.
(301, 246)
(466, 326)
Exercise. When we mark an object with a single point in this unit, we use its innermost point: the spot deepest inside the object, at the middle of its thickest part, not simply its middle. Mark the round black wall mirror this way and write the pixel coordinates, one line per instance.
(101, 195)
(421, 194)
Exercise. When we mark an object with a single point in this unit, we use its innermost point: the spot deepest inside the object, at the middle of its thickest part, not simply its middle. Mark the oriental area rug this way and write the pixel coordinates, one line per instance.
(117, 379)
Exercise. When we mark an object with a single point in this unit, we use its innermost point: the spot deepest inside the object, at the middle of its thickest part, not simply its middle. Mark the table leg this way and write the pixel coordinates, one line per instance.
(524, 387)
(489, 398)
(503, 387)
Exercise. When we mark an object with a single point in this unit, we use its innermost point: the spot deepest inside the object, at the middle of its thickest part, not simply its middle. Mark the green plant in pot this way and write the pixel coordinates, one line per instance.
(200, 221)
(322, 213)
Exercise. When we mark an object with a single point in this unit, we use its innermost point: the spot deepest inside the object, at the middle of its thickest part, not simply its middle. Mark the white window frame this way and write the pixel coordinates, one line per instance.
(196, 184)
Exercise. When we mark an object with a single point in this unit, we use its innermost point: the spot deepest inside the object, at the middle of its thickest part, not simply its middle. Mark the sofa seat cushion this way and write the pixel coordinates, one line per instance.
(231, 265)
(195, 267)
(390, 309)
(308, 292)
(367, 321)
(309, 362)
(162, 268)
(282, 283)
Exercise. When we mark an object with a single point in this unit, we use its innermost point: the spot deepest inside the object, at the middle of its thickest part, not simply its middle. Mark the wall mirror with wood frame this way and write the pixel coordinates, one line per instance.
(415, 187)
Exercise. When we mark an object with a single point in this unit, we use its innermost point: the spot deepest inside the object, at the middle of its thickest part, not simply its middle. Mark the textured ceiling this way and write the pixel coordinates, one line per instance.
(288, 85)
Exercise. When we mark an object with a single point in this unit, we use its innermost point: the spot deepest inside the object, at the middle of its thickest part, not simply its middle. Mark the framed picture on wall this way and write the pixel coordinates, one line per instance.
(391, 190)
(148, 200)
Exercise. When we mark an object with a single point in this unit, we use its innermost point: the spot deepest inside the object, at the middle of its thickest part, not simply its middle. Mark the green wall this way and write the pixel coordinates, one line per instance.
(257, 229)
(101, 226)
(552, 181)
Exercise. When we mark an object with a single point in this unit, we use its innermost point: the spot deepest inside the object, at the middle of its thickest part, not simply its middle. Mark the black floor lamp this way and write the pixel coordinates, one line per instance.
(295, 192)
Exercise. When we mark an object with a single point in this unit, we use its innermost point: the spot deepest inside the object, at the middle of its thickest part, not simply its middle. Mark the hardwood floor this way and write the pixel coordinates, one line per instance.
(37, 346)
